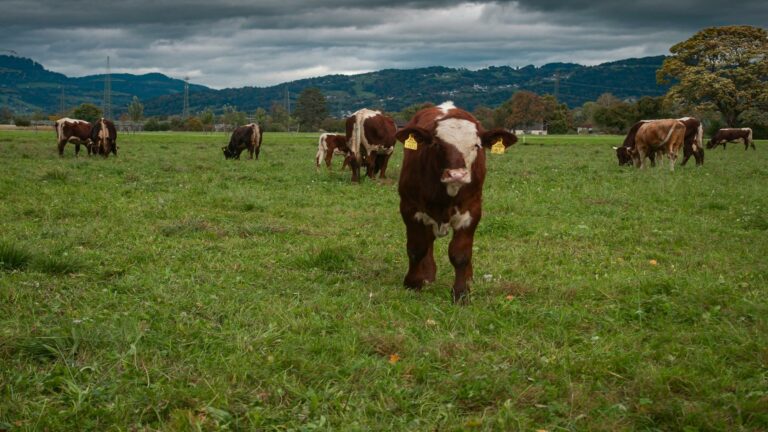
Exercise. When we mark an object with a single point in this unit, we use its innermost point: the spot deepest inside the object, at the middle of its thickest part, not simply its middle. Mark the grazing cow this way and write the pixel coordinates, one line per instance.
(692, 145)
(104, 137)
(724, 136)
(244, 137)
(78, 131)
(328, 145)
(370, 140)
(665, 135)
(441, 187)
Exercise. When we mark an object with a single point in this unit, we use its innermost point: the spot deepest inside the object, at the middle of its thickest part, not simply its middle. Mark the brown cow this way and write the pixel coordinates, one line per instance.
(78, 131)
(244, 137)
(328, 145)
(104, 137)
(441, 187)
(692, 145)
(724, 136)
(371, 140)
(666, 135)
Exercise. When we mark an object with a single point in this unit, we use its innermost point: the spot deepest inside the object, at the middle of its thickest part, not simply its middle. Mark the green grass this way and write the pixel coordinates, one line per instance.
(169, 289)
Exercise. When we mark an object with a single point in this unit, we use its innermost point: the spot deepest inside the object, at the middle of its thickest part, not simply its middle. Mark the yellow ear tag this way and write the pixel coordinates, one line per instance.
(410, 143)
(498, 147)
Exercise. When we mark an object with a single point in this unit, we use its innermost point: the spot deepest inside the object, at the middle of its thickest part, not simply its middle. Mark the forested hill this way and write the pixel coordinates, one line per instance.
(27, 85)
(394, 89)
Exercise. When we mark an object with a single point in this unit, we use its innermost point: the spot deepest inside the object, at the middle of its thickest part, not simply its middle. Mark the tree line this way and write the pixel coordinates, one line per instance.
(719, 75)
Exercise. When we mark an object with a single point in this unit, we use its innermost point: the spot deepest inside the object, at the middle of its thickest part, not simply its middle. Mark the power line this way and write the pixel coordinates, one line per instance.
(185, 110)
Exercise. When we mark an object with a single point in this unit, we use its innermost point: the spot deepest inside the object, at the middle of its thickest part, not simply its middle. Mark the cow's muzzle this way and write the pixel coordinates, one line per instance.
(458, 175)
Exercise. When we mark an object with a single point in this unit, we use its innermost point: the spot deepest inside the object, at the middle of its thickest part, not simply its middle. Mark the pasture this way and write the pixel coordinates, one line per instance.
(169, 289)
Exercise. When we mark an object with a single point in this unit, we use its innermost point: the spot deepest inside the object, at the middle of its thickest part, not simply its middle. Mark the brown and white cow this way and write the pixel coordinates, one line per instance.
(77, 131)
(441, 188)
(370, 140)
(104, 137)
(330, 144)
(244, 137)
(724, 136)
(692, 145)
(665, 135)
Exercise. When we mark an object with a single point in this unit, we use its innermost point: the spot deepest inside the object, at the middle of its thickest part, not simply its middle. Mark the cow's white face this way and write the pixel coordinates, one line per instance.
(462, 137)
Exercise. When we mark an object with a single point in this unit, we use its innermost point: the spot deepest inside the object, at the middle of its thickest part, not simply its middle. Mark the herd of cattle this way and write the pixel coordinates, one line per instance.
(443, 169)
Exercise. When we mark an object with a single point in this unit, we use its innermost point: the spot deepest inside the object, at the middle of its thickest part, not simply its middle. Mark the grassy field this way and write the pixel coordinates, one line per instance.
(169, 289)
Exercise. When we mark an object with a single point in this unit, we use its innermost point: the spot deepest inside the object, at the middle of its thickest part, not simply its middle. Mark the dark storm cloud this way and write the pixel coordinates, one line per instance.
(238, 43)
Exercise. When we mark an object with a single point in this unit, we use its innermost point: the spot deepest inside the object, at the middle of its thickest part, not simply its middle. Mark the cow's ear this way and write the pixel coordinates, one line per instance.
(421, 135)
(491, 137)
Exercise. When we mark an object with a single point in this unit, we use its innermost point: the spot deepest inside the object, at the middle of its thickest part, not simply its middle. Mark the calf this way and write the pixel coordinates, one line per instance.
(78, 131)
(665, 135)
(371, 140)
(328, 145)
(441, 188)
(244, 137)
(724, 136)
(104, 137)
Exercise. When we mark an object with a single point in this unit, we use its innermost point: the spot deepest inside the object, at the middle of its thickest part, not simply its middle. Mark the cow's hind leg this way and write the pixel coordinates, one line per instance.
(460, 253)
(421, 262)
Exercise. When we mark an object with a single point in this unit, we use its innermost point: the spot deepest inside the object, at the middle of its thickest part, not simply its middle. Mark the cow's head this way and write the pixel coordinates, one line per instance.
(454, 145)
(227, 153)
(711, 143)
(623, 155)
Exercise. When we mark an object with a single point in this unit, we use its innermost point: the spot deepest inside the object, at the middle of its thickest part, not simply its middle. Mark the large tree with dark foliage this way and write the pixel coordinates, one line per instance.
(311, 108)
(722, 68)
(87, 112)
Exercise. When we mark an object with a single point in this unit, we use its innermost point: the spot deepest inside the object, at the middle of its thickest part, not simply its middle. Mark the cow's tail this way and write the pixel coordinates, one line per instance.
(749, 137)
(669, 134)
(357, 140)
(700, 137)
(59, 131)
(255, 136)
(322, 148)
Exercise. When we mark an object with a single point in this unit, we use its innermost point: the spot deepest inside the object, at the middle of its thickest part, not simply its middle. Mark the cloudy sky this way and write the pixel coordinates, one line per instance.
(264, 42)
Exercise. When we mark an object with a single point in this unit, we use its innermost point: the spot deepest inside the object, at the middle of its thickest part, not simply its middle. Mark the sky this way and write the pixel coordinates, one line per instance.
(239, 43)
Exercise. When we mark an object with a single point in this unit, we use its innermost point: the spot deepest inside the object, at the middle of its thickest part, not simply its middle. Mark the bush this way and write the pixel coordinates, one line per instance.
(152, 125)
(22, 121)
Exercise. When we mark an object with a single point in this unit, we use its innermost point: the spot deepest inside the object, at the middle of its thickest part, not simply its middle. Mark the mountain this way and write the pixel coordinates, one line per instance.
(26, 85)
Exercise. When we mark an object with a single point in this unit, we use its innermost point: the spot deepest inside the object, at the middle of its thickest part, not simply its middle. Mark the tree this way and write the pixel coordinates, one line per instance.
(135, 110)
(281, 121)
(523, 109)
(649, 108)
(311, 108)
(207, 118)
(613, 114)
(408, 112)
(233, 117)
(485, 116)
(87, 112)
(557, 116)
(6, 115)
(720, 67)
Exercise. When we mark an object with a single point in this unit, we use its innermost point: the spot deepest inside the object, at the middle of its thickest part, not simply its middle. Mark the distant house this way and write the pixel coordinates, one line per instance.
(532, 129)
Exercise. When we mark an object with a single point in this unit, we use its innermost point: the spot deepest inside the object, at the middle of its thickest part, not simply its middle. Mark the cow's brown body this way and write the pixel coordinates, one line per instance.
(441, 188)
(666, 136)
(371, 140)
(724, 136)
(77, 131)
(104, 137)
(692, 144)
(244, 137)
(329, 144)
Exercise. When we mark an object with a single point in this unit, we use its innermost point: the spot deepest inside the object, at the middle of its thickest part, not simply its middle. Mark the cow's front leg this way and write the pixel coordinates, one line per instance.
(61, 147)
(421, 261)
(250, 153)
(370, 165)
(384, 163)
(460, 253)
